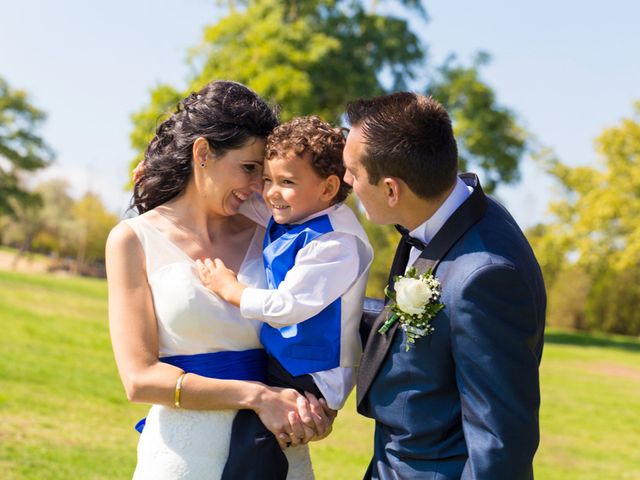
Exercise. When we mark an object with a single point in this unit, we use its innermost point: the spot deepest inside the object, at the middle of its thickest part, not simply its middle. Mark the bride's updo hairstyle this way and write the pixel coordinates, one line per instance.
(227, 114)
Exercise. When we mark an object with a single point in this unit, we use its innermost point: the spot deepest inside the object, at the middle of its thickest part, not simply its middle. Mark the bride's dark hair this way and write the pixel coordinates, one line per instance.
(227, 114)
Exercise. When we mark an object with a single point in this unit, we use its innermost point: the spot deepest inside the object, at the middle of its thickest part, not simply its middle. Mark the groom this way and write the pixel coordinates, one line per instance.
(463, 401)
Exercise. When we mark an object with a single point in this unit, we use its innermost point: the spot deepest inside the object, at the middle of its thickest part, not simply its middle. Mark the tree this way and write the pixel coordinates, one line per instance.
(21, 149)
(488, 136)
(163, 99)
(597, 227)
(551, 246)
(567, 299)
(92, 225)
(57, 225)
(314, 56)
(47, 225)
(598, 213)
(612, 305)
(25, 222)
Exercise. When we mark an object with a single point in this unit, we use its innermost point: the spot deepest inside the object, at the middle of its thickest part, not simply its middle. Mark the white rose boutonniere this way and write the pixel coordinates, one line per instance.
(415, 303)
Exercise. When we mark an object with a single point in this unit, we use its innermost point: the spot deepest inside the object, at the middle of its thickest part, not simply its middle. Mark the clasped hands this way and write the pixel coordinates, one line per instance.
(293, 418)
(312, 421)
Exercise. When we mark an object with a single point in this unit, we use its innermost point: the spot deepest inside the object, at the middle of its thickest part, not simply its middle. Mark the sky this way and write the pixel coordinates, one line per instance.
(567, 69)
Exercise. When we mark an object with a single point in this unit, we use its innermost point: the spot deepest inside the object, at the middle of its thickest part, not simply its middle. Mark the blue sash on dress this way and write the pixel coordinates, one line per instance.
(228, 365)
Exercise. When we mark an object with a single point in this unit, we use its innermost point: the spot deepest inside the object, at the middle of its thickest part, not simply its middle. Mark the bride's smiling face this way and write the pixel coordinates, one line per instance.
(229, 179)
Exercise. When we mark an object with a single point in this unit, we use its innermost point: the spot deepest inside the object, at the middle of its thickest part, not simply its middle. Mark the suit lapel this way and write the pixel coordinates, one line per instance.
(378, 344)
(456, 226)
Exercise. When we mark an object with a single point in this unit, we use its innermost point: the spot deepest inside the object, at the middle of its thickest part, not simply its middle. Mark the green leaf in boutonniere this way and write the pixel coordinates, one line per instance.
(415, 303)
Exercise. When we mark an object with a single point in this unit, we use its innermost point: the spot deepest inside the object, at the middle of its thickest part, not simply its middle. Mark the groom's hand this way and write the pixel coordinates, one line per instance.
(317, 416)
(301, 433)
(277, 409)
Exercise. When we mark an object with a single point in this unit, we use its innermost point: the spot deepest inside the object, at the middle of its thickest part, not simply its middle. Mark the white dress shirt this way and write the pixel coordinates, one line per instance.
(427, 230)
(325, 269)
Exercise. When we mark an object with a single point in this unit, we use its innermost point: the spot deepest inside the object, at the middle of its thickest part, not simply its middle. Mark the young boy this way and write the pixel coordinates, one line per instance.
(317, 258)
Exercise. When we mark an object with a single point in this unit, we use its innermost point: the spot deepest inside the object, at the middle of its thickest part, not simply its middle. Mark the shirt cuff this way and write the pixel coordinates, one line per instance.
(335, 385)
(252, 301)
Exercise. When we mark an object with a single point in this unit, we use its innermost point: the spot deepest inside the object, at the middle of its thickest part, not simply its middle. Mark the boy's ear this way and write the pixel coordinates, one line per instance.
(331, 187)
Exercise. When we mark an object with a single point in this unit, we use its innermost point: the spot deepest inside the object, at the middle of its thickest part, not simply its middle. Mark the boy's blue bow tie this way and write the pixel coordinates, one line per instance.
(279, 229)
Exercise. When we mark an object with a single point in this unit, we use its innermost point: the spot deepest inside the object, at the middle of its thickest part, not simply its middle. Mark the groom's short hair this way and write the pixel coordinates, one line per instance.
(408, 136)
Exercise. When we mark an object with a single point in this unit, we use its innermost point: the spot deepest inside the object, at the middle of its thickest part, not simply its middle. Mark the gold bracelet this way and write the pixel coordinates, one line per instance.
(179, 389)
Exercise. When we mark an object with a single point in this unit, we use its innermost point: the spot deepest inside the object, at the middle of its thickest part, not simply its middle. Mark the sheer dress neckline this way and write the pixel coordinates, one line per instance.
(184, 254)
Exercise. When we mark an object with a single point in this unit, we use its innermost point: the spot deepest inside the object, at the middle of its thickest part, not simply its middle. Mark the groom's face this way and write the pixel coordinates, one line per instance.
(372, 197)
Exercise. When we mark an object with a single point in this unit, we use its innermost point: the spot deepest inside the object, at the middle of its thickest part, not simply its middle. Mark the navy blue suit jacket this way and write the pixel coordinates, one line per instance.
(463, 402)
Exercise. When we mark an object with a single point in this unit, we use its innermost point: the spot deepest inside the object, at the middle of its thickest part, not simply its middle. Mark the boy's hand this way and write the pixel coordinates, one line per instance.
(138, 171)
(220, 280)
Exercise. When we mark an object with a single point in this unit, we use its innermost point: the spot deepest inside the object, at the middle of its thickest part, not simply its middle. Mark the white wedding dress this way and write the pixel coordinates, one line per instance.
(192, 444)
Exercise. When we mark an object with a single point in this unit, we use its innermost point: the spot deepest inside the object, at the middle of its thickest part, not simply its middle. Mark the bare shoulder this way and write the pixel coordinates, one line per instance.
(122, 236)
(123, 248)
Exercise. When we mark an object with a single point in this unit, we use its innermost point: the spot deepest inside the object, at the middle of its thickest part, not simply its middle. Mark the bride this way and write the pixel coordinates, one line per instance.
(178, 346)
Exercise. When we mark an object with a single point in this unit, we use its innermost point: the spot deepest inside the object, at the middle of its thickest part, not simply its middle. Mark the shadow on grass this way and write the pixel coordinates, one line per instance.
(629, 344)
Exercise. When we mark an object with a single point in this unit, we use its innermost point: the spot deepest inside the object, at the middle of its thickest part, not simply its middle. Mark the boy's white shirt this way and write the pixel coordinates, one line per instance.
(323, 271)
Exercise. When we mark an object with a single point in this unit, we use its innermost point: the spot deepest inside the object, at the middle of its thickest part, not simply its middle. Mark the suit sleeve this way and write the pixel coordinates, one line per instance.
(494, 331)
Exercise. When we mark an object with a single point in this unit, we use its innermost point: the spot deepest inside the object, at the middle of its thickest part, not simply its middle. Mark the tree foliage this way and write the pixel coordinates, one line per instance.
(93, 223)
(314, 56)
(598, 214)
(73, 231)
(163, 99)
(56, 234)
(23, 222)
(21, 148)
(597, 228)
(45, 225)
(567, 299)
(488, 135)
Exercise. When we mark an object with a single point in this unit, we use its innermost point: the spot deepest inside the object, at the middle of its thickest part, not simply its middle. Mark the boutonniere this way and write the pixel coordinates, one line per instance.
(415, 303)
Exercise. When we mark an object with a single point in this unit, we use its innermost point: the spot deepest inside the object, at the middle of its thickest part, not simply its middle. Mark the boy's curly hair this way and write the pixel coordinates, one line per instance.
(316, 137)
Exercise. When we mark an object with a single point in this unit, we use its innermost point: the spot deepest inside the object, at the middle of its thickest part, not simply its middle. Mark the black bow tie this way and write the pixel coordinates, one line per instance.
(409, 240)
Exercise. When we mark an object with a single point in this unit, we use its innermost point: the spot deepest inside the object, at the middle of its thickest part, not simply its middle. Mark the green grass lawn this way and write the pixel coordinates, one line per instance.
(63, 413)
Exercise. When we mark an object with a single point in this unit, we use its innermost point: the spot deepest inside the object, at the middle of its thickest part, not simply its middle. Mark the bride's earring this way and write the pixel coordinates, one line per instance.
(203, 153)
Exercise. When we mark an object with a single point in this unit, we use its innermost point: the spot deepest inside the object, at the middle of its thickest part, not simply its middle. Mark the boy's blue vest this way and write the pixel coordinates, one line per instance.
(314, 344)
